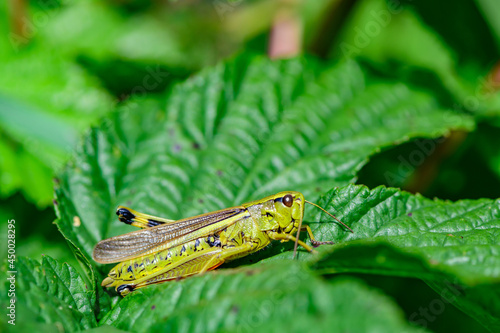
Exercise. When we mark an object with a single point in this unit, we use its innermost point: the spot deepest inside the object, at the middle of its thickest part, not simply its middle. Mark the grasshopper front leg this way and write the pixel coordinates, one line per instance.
(287, 237)
(314, 242)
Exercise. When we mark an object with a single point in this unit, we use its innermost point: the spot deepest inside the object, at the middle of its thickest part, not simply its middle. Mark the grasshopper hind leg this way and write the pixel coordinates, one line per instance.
(140, 220)
(182, 268)
(125, 289)
(197, 263)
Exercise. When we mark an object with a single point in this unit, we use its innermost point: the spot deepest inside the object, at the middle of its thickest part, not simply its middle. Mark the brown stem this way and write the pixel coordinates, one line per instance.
(18, 22)
(286, 33)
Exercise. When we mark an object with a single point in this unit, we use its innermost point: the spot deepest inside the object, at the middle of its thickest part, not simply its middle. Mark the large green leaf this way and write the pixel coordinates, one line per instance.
(274, 298)
(54, 294)
(452, 246)
(233, 133)
(228, 136)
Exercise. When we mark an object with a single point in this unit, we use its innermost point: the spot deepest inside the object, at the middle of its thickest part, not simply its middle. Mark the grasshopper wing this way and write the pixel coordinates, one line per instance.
(164, 236)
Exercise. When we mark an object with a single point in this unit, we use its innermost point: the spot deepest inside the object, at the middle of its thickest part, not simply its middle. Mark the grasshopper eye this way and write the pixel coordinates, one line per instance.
(288, 200)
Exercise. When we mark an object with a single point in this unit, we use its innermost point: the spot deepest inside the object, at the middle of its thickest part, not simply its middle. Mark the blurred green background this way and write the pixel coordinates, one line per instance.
(65, 64)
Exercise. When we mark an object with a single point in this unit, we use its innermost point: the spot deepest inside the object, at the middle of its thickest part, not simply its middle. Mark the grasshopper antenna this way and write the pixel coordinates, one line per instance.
(336, 219)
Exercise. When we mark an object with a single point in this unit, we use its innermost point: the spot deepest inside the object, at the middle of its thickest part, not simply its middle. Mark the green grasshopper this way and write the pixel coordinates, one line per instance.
(167, 249)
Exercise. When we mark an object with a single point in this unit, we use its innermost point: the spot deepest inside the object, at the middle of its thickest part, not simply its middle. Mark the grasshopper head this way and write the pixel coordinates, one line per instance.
(289, 210)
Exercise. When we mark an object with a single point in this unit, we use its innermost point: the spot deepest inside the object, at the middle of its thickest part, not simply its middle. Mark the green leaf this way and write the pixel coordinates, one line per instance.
(53, 293)
(274, 298)
(442, 232)
(236, 132)
(228, 136)
(396, 233)
(105, 329)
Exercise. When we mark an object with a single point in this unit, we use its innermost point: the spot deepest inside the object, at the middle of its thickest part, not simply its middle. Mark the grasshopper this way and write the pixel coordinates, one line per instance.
(167, 249)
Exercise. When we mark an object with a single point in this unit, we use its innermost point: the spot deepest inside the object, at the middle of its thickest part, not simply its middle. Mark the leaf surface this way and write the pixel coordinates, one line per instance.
(284, 296)
(453, 246)
(53, 293)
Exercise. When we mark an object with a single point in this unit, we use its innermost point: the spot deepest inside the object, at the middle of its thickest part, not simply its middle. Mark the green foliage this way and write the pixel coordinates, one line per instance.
(457, 58)
(448, 245)
(295, 124)
(283, 296)
(409, 96)
(45, 101)
(53, 293)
